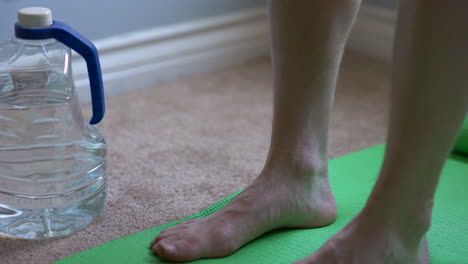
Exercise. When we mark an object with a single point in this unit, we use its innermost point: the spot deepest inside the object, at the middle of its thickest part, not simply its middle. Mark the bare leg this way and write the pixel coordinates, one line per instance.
(292, 190)
(429, 103)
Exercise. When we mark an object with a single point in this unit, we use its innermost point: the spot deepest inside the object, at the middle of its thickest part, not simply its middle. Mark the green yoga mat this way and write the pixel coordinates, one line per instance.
(462, 141)
(352, 177)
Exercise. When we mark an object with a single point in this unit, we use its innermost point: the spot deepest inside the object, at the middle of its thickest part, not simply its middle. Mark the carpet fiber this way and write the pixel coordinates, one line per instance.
(352, 177)
(177, 148)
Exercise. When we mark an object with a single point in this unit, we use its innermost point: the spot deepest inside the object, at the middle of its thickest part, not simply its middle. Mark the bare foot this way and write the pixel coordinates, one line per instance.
(273, 200)
(366, 241)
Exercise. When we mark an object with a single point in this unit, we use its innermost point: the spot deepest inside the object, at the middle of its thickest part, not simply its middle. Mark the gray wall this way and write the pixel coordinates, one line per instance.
(390, 4)
(102, 18)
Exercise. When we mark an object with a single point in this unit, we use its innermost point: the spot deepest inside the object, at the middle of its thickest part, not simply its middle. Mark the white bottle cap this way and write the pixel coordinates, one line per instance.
(34, 17)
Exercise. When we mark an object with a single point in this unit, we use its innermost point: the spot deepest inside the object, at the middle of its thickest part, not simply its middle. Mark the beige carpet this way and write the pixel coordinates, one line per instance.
(175, 149)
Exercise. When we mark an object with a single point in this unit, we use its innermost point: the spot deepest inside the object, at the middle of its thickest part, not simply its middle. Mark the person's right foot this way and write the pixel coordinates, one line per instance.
(273, 200)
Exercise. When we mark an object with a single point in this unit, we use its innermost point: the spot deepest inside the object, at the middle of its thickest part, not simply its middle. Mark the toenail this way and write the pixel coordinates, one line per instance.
(169, 248)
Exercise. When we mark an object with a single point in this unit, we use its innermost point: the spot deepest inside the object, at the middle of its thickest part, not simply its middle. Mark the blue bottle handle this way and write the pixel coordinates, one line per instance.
(74, 40)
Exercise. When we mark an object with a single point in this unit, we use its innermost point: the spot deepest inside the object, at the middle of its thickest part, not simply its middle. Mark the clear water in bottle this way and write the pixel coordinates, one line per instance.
(52, 162)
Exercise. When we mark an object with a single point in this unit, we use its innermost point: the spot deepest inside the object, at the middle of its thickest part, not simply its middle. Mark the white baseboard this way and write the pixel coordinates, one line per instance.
(373, 32)
(143, 58)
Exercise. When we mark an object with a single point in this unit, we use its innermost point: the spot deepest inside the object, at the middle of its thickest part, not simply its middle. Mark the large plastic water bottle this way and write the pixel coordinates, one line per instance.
(52, 162)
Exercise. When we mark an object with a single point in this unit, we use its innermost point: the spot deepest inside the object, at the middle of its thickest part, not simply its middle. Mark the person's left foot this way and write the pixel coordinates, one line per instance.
(279, 199)
(366, 241)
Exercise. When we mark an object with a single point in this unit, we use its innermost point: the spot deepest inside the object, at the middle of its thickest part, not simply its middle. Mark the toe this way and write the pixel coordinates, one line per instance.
(172, 234)
(171, 231)
(176, 250)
